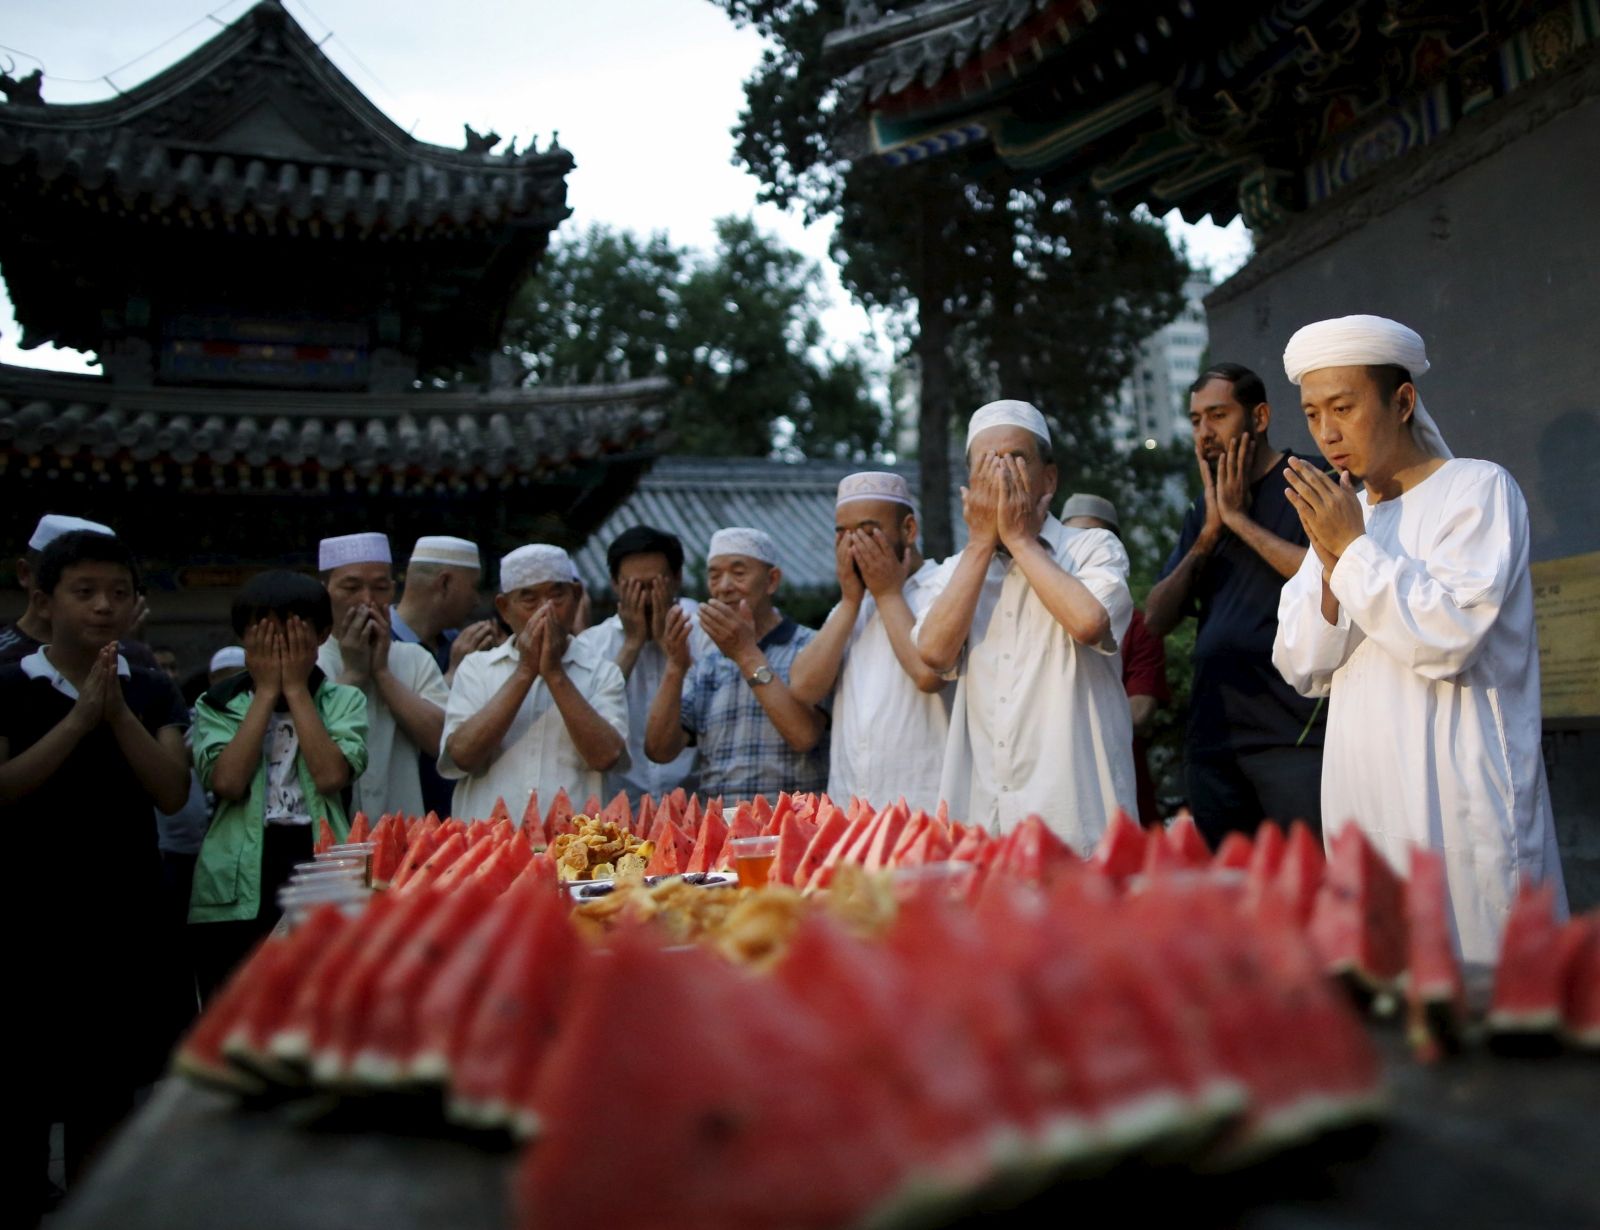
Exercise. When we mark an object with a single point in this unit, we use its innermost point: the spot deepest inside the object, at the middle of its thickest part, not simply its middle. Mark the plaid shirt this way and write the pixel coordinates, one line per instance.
(741, 752)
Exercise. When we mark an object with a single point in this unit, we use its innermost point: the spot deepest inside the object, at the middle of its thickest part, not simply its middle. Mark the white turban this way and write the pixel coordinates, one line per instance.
(874, 485)
(538, 563)
(1008, 414)
(353, 549)
(1366, 341)
(1085, 505)
(442, 549)
(52, 525)
(742, 540)
(228, 658)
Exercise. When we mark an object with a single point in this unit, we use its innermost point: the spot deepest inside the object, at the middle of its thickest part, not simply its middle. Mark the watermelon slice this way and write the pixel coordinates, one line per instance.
(533, 822)
(449, 850)
(1034, 853)
(831, 828)
(1298, 876)
(499, 811)
(970, 847)
(764, 813)
(388, 854)
(558, 819)
(931, 846)
(309, 1021)
(478, 853)
(1528, 983)
(503, 866)
(1436, 1001)
(618, 812)
(893, 820)
(645, 820)
(1580, 998)
(418, 852)
(744, 824)
(708, 842)
(908, 835)
(672, 856)
(1266, 851)
(1358, 924)
(199, 1055)
(1120, 853)
(1183, 835)
(794, 837)
(360, 828)
(325, 837)
(1235, 852)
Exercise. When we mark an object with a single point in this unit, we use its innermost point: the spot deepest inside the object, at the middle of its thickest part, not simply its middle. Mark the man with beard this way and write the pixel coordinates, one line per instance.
(1029, 618)
(1254, 747)
(891, 713)
(646, 566)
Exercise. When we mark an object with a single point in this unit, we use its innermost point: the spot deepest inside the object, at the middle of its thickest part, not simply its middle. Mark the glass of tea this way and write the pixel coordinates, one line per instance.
(752, 859)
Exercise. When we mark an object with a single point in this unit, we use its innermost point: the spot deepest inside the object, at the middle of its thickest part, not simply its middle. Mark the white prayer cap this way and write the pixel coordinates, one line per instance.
(52, 525)
(1008, 414)
(874, 485)
(535, 564)
(353, 549)
(228, 657)
(1085, 505)
(1366, 341)
(443, 549)
(742, 540)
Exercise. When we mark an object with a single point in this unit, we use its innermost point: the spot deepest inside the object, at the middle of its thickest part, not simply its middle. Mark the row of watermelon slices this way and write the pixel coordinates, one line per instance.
(974, 1051)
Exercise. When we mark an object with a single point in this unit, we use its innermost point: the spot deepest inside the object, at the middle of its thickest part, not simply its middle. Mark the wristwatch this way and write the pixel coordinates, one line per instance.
(761, 674)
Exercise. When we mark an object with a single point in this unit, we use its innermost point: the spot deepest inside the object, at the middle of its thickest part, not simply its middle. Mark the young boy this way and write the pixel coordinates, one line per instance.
(278, 744)
(88, 746)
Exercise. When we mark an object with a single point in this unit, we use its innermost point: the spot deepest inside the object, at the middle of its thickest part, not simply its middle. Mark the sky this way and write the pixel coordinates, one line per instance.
(643, 92)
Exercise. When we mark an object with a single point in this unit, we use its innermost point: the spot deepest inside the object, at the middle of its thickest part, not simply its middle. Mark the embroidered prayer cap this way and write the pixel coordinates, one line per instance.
(874, 485)
(1366, 341)
(1085, 505)
(227, 658)
(538, 563)
(443, 549)
(1008, 414)
(52, 525)
(371, 548)
(742, 540)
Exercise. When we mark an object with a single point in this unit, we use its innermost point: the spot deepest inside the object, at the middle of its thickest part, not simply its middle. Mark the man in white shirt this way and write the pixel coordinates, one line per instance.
(1040, 721)
(404, 688)
(891, 712)
(541, 711)
(646, 567)
(1413, 614)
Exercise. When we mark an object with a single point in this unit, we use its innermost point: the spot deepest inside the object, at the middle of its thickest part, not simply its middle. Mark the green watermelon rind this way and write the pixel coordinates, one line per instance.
(1308, 1117)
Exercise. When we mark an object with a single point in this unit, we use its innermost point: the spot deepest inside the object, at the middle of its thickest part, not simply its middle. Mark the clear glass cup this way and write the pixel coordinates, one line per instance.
(752, 859)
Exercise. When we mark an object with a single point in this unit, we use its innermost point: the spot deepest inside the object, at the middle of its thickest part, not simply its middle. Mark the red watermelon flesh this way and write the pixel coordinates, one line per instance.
(533, 827)
(388, 853)
(710, 1143)
(309, 1020)
(1300, 872)
(890, 825)
(708, 842)
(856, 851)
(672, 855)
(324, 837)
(421, 849)
(773, 824)
(389, 1043)
(558, 819)
(691, 815)
(1160, 855)
(360, 828)
(744, 824)
(1527, 981)
(1235, 852)
(1266, 852)
(353, 997)
(272, 989)
(451, 827)
(502, 867)
(794, 838)
(456, 990)
(931, 846)
(619, 812)
(499, 811)
(970, 846)
(199, 1055)
(839, 852)
(1034, 852)
(474, 857)
(497, 1055)
(1580, 999)
(764, 813)
(909, 834)
(591, 806)
(450, 849)
(1436, 999)
(831, 829)
(1120, 853)
(478, 831)
(1187, 843)
(1358, 924)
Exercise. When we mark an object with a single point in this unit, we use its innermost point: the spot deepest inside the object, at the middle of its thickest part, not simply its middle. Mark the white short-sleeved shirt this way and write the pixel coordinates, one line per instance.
(641, 775)
(393, 780)
(888, 736)
(536, 752)
(1040, 722)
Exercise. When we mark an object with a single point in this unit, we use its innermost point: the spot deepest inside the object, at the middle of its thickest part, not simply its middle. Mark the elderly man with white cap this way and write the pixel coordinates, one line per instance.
(441, 590)
(891, 713)
(540, 711)
(404, 687)
(1029, 617)
(1413, 614)
(734, 703)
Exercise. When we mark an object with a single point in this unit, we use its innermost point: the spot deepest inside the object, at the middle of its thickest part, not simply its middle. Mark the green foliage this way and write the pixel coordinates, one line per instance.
(737, 331)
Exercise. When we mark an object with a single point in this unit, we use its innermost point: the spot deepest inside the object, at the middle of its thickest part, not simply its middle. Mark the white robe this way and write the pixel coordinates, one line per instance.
(1432, 675)
(1040, 722)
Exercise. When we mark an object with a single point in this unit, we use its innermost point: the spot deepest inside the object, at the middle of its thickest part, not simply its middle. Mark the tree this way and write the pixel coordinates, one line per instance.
(1014, 291)
(737, 331)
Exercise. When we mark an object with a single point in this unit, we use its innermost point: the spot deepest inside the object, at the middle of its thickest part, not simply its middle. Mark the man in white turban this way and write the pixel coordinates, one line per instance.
(540, 711)
(1029, 618)
(1413, 614)
(891, 712)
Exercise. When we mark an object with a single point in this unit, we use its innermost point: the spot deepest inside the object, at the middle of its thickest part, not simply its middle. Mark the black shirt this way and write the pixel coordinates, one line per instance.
(15, 644)
(1238, 701)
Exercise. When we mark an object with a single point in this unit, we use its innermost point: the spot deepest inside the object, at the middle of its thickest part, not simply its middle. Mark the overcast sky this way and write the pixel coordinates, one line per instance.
(643, 92)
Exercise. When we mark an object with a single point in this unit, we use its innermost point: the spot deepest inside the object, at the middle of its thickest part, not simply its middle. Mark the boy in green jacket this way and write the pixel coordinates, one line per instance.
(278, 745)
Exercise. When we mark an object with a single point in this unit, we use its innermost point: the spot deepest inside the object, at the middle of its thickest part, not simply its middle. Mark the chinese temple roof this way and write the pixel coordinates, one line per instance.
(1207, 106)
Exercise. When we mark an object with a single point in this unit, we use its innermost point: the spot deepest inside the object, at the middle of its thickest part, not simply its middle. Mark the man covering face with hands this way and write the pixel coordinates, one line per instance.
(1028, 619)
(541, 711)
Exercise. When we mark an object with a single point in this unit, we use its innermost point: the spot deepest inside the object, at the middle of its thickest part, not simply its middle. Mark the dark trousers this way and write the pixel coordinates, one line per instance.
(219, 946)
(1235, 793)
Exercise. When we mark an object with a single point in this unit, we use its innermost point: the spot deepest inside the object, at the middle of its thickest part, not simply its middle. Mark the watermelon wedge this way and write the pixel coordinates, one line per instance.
(1358, 924)
(1120, 852)
(672, 855)
(1436, 1000)
(744, 824)
(831, 828)
(890, 824)
(309, 1021)
(504, 865)
(499, 811)
(708, 842)
(1235, 852)
(1183, 835)
(533, 822)
(449, 850)
(1266, 851)
(200, 1055)
(1580, 997)
(558, 819)
(325, 838)
(271, 990)
(360, 828)
(1528, 983)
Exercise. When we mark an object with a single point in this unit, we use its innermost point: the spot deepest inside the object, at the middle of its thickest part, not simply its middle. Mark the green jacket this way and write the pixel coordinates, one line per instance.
(227, 878)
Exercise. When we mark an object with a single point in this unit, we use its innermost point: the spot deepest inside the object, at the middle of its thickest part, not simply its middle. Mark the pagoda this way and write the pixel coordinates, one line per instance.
(298, 311)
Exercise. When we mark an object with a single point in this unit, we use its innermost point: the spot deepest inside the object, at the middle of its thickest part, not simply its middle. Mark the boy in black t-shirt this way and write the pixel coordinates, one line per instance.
(87, 745)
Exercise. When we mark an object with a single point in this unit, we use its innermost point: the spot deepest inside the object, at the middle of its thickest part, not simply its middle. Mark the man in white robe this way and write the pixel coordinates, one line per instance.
(1029, 618)
(1413, 614)
(891, 712)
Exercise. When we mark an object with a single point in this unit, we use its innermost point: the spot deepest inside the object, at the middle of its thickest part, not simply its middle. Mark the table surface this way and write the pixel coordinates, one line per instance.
(1480, 1140)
